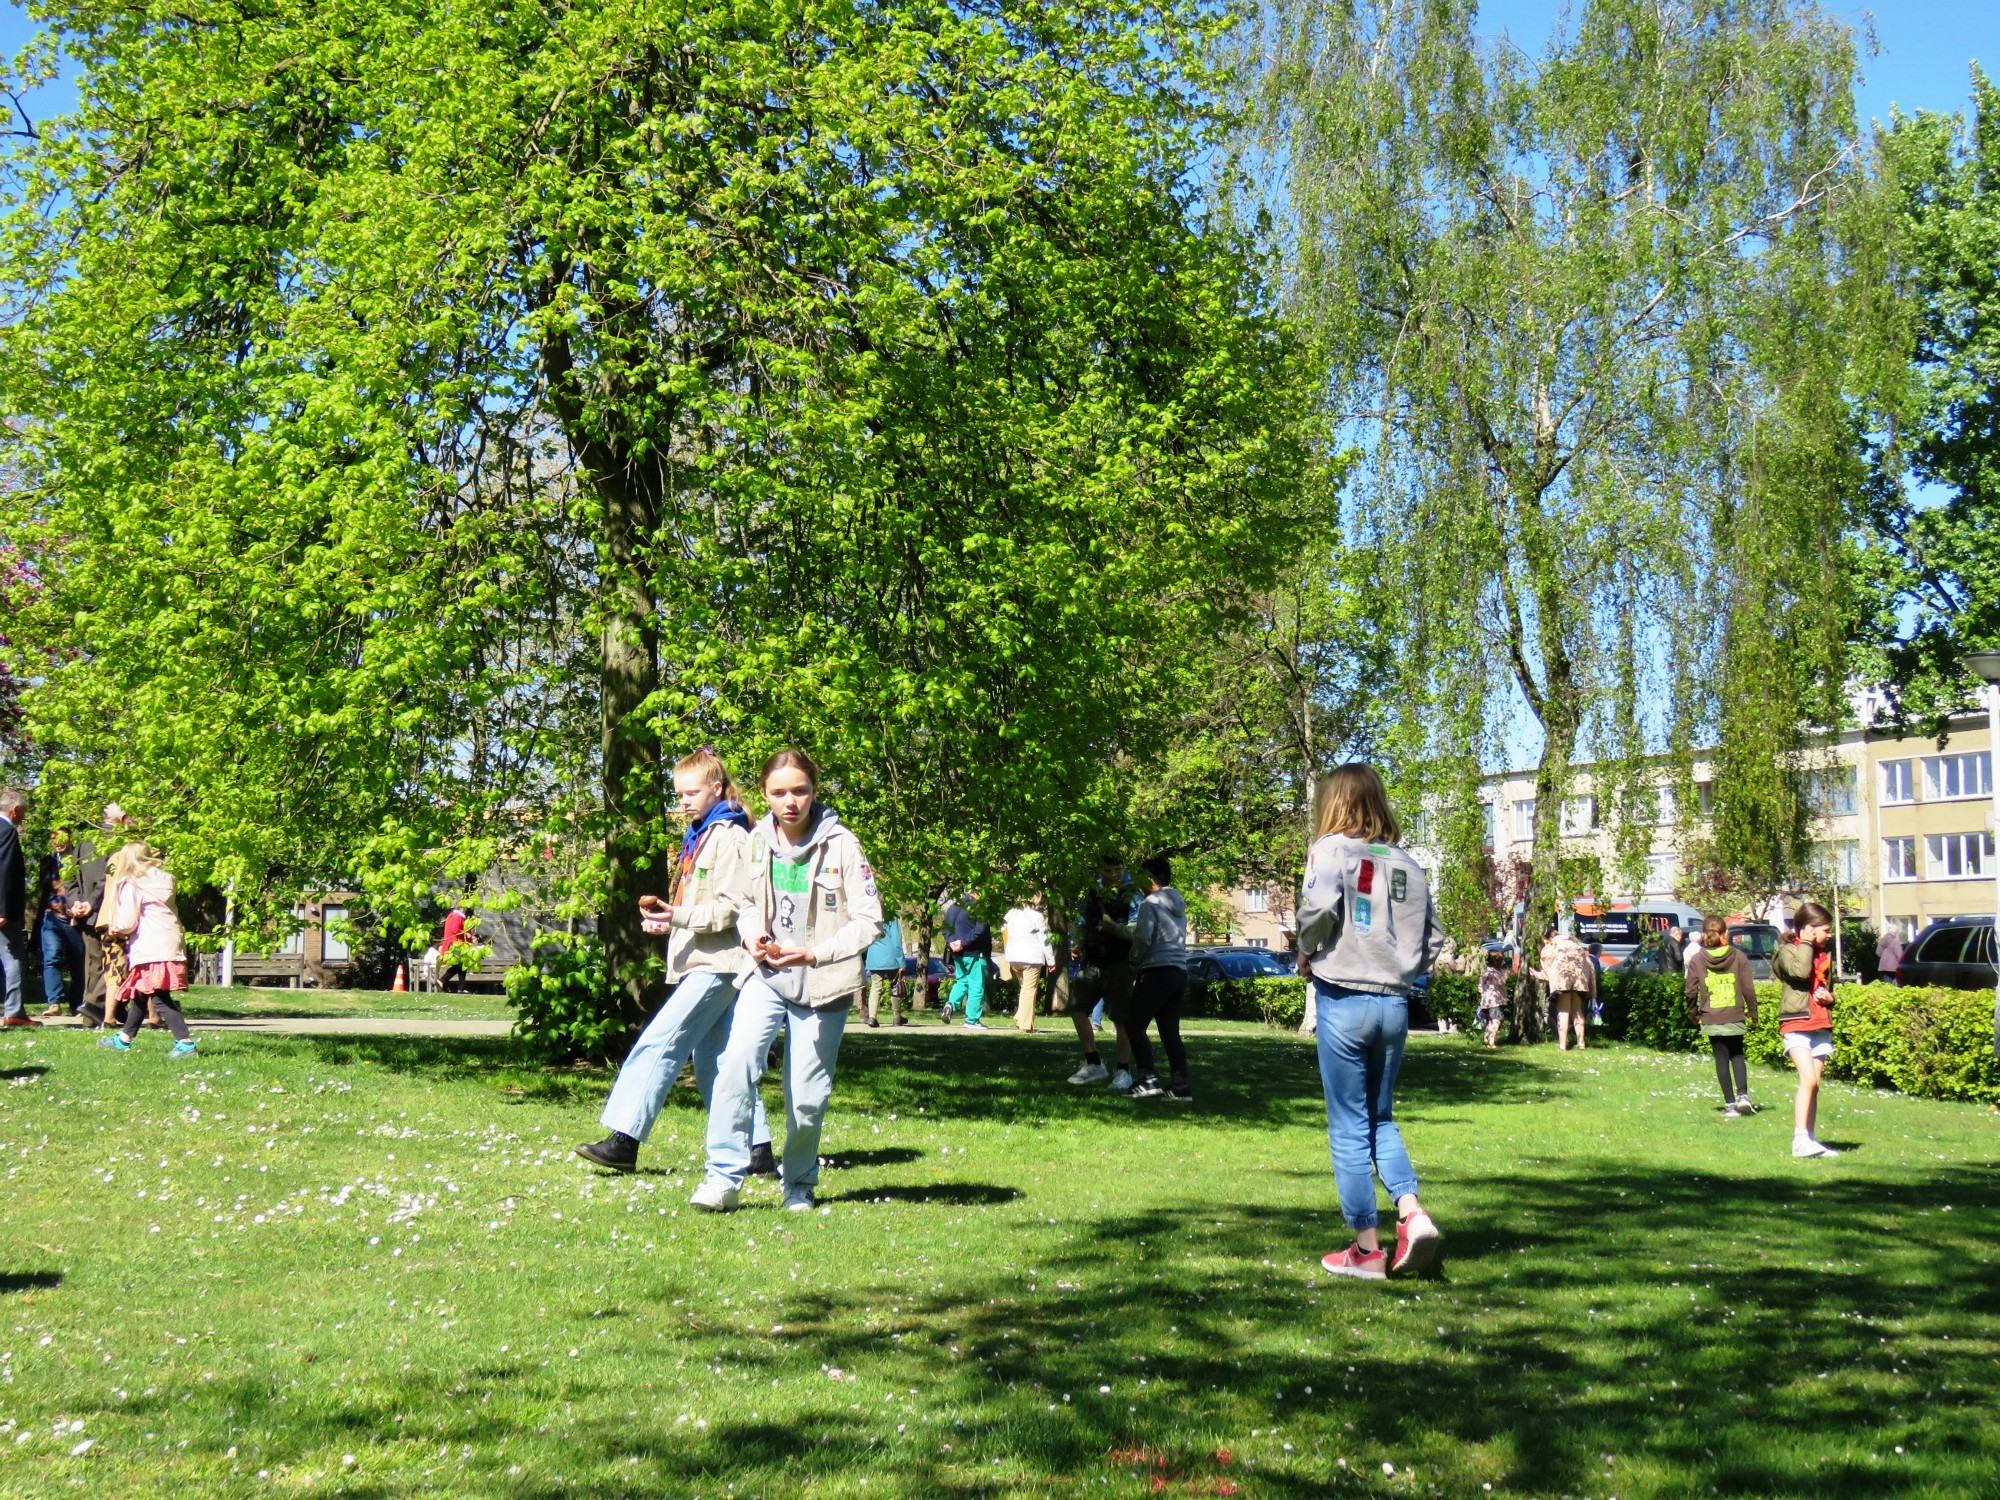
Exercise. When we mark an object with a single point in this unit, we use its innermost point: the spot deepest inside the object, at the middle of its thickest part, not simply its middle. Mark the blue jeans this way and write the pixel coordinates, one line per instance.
(62, 958)
(13, 963)
(812, 1046)
(694, 1022)
(1361, 1039)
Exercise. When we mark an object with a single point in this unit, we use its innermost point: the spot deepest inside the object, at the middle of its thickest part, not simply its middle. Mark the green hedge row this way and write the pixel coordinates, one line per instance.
(1934, 1044)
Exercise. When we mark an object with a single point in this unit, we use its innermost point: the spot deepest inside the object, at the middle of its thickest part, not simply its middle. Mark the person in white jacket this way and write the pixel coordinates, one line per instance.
(1025, 949)
(809, 912)
(139, 901)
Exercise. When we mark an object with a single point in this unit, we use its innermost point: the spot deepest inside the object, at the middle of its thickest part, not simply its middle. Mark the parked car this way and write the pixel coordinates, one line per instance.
(1207, 965)
(939, 974)
(1953, 953)
(1759, 942)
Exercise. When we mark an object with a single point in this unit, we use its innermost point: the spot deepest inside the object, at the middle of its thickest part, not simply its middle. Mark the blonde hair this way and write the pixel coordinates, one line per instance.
(1352, 800)
(706, 764)
(129, 863)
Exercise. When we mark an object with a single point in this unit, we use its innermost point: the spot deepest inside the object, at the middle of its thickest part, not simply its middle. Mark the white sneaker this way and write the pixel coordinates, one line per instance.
(798, 1200)
(1121, 1081)
(715, 1196)
(1090, 1073)
(1805, 1145)
(975, 1026)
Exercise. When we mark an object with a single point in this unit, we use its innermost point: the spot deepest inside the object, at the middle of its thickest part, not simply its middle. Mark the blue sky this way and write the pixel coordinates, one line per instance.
(1927, 47)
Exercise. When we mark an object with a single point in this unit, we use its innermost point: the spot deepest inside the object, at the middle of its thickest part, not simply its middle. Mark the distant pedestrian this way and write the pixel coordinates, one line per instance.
(1024, 947)
(13, 910)
(1722, 1001)
(885, 973)
(1159, 982)
(451, 964)
(1678, 949)
(1888, 954)
(971, 944)
(1493, 995)
(1367, 929)
(139, 902)
(1566, 968)
(1803, 965)
(60, 944)
(1103, 984)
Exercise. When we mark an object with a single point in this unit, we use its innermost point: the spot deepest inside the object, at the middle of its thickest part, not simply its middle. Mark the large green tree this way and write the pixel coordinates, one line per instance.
(403, 385)
(1594, 319)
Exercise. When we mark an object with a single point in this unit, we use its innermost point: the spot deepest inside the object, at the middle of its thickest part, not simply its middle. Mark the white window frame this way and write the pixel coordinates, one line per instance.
(1257, 902)
(1899, 859)
(1524, 820)
(328, 915)
(1264, 943)
(1972, 771)
(1840, 859)
(1655, 865)
(1899, 782)
(1972, 853)
(1579, 816)
(1490, 820)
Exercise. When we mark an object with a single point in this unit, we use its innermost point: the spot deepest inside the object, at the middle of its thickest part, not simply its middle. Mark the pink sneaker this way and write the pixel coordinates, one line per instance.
(1362, 1265)
(1416, 1244)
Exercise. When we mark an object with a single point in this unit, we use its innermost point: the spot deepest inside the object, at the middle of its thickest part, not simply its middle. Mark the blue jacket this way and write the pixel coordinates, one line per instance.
(885, 954)
(962, 927)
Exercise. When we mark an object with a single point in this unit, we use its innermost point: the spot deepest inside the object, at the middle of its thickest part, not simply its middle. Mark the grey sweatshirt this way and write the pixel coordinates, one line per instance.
(1366, 918)
(1159, 932)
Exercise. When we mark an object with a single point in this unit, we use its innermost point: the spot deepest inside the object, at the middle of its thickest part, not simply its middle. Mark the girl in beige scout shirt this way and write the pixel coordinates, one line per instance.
(809, 912)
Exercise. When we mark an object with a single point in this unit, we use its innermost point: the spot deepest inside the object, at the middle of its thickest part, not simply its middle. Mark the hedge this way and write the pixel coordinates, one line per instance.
(1931, 1043)
(1276, 1001)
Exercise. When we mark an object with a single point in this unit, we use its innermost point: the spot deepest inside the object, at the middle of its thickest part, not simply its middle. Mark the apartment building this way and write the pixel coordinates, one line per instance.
(1903, 830)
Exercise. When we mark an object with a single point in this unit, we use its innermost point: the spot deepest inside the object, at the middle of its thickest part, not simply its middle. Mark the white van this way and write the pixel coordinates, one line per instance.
(1621, 928)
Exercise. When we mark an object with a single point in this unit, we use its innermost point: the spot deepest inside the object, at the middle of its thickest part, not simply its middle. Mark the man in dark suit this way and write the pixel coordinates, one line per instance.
(13, 908)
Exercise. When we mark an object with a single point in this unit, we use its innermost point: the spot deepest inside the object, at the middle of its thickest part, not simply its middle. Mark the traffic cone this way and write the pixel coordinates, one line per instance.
(401, 986)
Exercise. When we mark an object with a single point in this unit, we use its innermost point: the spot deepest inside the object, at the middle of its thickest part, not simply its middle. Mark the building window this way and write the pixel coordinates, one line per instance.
(1899, 782)
(332, 945)
(1650, 807)
(1904, 927)
(1899, 859)
(1257, 943)
(1524, 819)
(1579, 816)
(1959, 856)
(1949, 776)
(1662, 870)
(1705, 792)
(295, 940)
(1256, 903)
(1486, 823)
(1839, 861)
(1831, 792)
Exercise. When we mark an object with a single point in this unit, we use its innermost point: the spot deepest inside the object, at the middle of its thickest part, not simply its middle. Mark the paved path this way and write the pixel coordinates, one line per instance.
(334, 1025)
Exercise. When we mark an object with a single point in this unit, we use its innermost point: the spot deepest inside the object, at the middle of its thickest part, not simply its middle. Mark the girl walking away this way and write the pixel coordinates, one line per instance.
(809, 914)
(1159, 981)
(703, 959)
(139, 901)
(1572, 980)
(1722, 997)
(1367, 929)
(1493, 995)
(1804, 968)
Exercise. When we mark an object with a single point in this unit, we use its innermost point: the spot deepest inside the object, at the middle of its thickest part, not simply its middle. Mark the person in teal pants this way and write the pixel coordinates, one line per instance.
(971, 944)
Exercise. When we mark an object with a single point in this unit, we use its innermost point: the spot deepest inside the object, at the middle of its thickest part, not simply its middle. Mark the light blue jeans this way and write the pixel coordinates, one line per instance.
(1361, 1039)
(13, 967)
(812, 1046)
(694, 1022)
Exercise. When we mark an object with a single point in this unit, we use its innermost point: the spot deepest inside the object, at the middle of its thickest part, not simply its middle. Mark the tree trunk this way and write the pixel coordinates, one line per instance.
(1560, 718)
(629, 673)
(926, 929)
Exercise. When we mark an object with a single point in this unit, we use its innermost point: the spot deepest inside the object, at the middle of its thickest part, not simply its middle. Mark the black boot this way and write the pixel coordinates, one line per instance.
(762, 1163)
(618, 1151)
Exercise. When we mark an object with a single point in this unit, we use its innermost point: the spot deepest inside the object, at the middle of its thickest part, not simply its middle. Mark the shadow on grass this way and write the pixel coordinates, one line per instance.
(29, 1281)
(18, 1075)
(950, 1194)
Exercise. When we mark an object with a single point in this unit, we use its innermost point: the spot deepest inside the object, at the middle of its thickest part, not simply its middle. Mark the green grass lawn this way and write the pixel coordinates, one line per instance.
(240, 1002)
(370, 1266)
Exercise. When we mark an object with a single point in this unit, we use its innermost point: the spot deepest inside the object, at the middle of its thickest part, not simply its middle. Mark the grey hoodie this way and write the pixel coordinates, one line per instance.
(1159, 932)
(1366, 918)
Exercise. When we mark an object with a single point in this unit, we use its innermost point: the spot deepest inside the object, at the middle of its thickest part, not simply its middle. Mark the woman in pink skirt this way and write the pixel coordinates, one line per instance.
(139, 896)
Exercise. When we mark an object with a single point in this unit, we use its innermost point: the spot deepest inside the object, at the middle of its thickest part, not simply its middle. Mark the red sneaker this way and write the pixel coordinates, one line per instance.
(1362, 1265)
(24, 1019)
(1416, 1244)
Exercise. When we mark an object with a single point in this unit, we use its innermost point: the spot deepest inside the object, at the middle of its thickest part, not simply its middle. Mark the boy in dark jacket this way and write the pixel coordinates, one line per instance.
(1722, 1001)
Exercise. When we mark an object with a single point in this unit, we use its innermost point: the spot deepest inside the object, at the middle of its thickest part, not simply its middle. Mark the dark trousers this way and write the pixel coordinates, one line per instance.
(1730, 1067)
(163, 1006)
(93, 977)
(62, 962)
(1156, 1000)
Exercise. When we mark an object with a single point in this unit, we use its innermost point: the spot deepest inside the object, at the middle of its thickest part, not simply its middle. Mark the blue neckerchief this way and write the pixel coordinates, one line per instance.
(724, 811)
